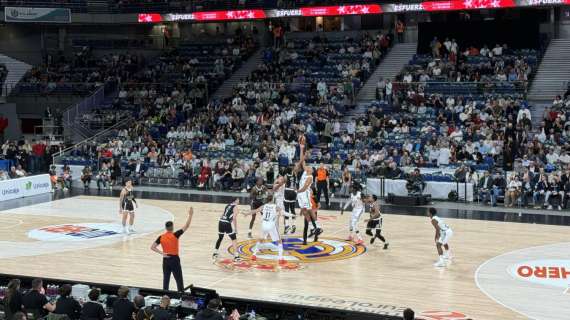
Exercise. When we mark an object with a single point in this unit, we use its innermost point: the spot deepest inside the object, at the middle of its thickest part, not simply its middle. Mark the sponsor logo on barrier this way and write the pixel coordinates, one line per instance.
(28, 185)
(41, 185)
(74, 232)
(10, 191)
(324, 250)
(554, 273)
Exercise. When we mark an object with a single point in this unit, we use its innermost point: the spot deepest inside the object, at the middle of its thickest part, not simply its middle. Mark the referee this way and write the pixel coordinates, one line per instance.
(169, 241)
(323, 183)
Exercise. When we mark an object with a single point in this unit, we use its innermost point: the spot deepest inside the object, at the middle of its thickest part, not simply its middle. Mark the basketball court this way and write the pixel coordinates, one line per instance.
(500, 270)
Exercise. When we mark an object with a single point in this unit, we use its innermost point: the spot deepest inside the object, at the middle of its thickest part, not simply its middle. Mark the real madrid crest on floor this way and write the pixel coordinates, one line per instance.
(295, 254)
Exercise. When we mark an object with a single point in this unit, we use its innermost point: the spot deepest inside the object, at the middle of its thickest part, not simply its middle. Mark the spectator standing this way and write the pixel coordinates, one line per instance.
(169, 241)
(400, 28)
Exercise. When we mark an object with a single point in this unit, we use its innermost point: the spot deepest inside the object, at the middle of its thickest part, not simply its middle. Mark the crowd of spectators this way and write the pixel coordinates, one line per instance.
(285, 95)
(26, 157)
(59, 302)
(80, 73)
(452, 68)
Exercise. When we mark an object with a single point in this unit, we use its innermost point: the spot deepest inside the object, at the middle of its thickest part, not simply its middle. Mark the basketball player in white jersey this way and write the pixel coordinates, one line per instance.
(227, 225)
(304, 193)
(357, 210)
(279, 192)
(442, 235)
(270, 213)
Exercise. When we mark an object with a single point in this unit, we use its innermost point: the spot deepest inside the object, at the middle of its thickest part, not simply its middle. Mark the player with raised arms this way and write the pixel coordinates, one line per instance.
(304, 193)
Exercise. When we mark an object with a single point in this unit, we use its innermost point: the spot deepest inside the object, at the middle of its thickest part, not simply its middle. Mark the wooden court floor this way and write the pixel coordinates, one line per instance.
(377, 280)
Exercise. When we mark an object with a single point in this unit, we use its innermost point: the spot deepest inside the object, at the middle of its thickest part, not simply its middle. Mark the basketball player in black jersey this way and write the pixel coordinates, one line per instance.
(127, 205)
(290, 201)
(258, 194)
(374, 225)
(227, 225)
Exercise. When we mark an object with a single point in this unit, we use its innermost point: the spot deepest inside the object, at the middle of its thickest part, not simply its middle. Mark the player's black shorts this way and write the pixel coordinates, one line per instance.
(256, 204)
(226, 228)
(290, 195)
(373, 224)
(128, 205)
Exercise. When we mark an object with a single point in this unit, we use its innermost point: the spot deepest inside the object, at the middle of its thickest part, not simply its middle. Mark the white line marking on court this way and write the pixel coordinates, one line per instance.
(476, 276)
(211, 285)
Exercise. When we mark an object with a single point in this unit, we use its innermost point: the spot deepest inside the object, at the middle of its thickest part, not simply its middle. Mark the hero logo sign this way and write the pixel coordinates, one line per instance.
(554, 273)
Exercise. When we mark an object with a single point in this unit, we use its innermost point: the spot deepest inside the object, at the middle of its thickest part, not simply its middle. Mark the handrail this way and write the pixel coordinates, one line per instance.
(97, 135)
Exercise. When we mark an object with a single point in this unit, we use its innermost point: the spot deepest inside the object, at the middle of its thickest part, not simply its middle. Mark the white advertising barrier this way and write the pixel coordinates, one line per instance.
(438, 190)
(75, 171)
(24, 187)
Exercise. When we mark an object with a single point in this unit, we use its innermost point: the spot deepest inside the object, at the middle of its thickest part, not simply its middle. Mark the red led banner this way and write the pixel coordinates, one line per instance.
(359, 9)
(341, 10)
(150, 17)
(466, 4)
(229, 15)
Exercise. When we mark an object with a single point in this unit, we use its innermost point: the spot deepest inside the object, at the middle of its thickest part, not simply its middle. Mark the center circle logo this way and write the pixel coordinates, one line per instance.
(324, 250)
(75, 232)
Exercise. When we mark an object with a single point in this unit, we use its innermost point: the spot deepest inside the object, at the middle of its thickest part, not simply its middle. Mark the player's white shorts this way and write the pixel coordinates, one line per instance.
(303, 200)
(444, 236)
(270, 229)
(356, 214)
(280, 202)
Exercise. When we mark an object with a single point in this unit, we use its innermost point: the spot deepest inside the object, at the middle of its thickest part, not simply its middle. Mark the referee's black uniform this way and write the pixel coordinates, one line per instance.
(169, 241)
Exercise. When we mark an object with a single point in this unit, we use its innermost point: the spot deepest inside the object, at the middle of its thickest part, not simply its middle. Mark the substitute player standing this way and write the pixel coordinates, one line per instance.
(270, 216)
(374, 224)
(357, 211)
(442, 235)
(227, 225)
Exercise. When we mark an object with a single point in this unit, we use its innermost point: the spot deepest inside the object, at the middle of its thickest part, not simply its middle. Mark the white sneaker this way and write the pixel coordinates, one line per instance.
(125, 230)
(131, 230)
(439, 263)
(549, 207)
(447, 256)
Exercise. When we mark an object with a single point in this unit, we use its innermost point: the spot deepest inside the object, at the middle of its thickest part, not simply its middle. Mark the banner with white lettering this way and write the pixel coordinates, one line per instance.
(24, 187)
(37, 15)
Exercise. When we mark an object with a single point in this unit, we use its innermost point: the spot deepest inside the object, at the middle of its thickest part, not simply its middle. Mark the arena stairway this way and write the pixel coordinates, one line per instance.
(226, 89)
(389, 68)
(553, 72)
(16, 71)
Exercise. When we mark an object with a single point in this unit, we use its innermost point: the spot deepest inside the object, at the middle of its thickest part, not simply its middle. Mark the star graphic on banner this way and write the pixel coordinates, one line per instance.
(251, 15)
(230, 14)
(468, 3)
(365, 9)
(495, 4)
(341, 9)
(148, 18)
